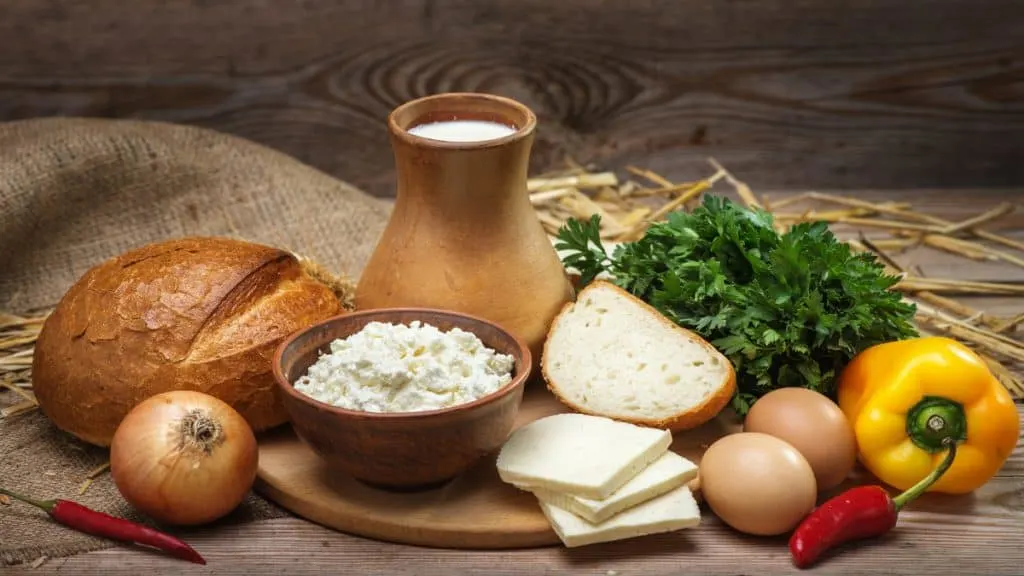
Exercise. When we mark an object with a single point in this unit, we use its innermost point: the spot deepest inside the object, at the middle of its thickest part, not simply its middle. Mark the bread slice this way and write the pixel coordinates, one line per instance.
(583, 455)
(665, 474)
(669, 512)
(611, 354)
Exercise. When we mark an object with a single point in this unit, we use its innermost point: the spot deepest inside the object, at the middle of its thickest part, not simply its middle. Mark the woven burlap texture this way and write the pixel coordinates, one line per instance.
(74, 192)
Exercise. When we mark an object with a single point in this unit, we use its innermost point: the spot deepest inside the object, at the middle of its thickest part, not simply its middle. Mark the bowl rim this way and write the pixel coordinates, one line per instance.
(518, 380)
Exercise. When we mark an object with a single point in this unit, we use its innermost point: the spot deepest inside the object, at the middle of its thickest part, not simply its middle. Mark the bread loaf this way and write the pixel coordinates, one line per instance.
(611, 354)
(199, 314)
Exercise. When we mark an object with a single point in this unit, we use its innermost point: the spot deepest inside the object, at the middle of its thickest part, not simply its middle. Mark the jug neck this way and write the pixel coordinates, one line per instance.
(455, 175)
(454, 179)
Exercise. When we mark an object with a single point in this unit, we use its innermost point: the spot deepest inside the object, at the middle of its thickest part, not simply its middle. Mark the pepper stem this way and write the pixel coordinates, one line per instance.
(917, 489)
(934, 419)
(46, 505)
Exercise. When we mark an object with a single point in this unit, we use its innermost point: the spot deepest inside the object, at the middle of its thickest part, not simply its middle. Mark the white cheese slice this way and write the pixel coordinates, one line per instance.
(672, 511)
(578, 454)
(666, 473)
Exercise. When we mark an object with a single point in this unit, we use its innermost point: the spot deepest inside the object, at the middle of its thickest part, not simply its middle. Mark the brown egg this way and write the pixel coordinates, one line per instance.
(757, 483)
(814, 425)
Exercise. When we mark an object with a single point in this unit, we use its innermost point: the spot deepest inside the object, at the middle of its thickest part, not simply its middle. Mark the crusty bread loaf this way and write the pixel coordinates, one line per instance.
(199, 314)
(611, 354)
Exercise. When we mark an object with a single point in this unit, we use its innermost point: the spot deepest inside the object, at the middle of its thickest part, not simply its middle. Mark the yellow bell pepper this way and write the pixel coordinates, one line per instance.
(904, 398)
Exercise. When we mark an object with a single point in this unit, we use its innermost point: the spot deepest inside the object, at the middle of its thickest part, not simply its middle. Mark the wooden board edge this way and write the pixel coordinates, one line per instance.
(504, 540)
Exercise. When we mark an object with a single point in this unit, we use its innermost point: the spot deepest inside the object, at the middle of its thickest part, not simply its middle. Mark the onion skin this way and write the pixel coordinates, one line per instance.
(184, 458)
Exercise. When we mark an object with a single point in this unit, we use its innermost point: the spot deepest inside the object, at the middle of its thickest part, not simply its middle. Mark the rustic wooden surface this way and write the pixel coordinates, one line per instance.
(978, 534)
(476, 511)
(849, 94)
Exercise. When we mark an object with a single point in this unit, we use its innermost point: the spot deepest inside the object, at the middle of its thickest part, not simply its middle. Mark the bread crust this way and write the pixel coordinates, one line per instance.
(687, 420)
(199, 313)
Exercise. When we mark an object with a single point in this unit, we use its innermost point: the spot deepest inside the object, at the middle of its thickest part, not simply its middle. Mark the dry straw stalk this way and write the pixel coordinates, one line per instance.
(628, 207)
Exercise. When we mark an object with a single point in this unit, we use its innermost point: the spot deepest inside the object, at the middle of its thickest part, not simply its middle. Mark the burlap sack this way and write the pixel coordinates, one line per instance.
(76, 191)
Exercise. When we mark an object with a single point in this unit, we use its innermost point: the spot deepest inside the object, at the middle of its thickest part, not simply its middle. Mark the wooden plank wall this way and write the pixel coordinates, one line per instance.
(787, 93)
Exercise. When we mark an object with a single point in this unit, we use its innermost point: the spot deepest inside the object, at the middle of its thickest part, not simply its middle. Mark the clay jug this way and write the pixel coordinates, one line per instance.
(463, 235)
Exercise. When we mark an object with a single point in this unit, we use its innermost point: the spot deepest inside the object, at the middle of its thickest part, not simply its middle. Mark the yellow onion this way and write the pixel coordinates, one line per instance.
(183, 458)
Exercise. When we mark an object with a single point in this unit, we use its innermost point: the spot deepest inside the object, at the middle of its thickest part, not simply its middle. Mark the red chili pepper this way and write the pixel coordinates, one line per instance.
(862, 512)
(74, 515)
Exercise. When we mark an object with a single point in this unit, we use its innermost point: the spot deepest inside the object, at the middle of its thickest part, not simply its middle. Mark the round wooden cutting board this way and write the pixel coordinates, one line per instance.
(476, 510)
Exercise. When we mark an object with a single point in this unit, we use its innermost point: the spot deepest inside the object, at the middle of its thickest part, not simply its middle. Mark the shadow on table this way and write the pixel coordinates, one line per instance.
(712, 537)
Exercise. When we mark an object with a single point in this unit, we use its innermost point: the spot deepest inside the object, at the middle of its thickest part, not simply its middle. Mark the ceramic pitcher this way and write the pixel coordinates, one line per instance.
(463, 235)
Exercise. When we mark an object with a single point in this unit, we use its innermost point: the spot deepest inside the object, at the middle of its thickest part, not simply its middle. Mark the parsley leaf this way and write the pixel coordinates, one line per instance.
(587, 253)
(788, 310)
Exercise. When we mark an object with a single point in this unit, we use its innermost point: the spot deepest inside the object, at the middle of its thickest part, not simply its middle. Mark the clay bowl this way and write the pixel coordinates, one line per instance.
(409, 450)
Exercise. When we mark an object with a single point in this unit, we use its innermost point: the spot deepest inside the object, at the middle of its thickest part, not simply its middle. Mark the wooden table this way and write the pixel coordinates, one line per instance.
(980, 534)
(847, 94)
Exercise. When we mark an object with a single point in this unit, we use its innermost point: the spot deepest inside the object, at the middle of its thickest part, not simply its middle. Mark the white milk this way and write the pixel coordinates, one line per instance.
(462, 130)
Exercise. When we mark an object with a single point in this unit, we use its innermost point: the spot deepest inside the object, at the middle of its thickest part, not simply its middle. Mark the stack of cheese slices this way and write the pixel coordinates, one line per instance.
(599, 479)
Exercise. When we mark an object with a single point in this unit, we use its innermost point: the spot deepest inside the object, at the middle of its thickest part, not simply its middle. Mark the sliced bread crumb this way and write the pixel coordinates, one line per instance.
(611, 354)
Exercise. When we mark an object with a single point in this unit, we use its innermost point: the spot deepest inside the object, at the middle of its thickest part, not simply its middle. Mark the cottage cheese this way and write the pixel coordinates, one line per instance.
(405, 368)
